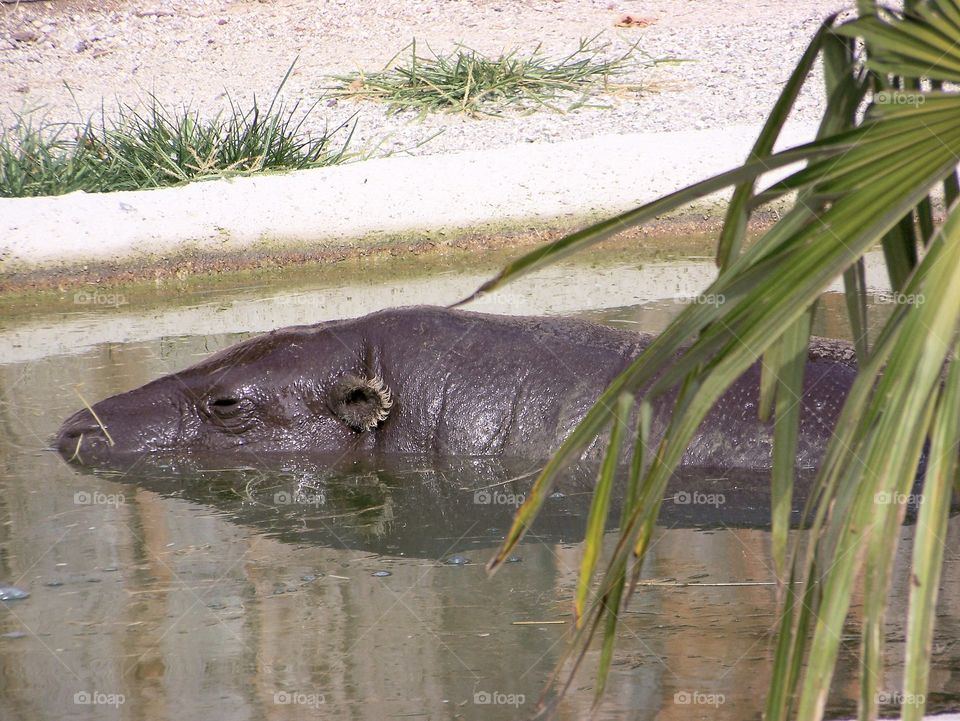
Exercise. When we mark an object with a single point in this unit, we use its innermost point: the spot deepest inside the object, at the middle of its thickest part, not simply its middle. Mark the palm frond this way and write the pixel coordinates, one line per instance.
(887, 146)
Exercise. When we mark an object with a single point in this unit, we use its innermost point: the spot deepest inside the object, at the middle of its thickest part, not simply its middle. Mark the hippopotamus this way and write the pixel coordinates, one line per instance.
(429, 381)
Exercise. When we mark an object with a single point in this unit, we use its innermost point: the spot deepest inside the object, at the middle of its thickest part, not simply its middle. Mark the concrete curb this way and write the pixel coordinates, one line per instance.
(368, 203)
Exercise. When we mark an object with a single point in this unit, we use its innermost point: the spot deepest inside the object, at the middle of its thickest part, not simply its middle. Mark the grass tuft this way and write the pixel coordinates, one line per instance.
(154, 147)
(467, 82)
(39, 160)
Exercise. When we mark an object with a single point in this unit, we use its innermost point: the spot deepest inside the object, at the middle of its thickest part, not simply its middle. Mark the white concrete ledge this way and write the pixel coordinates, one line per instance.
(357, 203)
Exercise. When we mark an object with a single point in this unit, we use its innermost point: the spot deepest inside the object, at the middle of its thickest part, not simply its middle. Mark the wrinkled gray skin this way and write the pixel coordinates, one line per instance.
(459, 384)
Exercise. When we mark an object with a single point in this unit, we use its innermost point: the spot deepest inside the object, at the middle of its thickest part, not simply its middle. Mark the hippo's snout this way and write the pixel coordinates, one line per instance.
(82, 438)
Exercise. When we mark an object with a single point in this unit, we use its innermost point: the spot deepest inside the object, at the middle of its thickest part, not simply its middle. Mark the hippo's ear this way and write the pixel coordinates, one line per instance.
(361, 403)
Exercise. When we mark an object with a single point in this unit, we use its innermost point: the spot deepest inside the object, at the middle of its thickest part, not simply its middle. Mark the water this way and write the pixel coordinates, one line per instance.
(359, 592)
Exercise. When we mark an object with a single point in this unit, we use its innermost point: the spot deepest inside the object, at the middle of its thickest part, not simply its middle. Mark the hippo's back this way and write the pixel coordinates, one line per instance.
(472, 383)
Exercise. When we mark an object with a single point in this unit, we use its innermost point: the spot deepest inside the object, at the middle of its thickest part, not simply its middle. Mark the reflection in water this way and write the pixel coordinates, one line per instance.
(313, 589)
(426, 507)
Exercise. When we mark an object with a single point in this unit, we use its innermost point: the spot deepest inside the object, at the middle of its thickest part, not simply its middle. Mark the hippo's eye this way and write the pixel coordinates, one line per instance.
(227, 407)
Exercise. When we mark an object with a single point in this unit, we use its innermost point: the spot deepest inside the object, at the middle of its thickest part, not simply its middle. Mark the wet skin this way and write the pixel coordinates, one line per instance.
(426, 380)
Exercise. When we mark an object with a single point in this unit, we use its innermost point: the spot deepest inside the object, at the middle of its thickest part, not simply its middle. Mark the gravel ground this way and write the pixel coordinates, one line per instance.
(64, 58)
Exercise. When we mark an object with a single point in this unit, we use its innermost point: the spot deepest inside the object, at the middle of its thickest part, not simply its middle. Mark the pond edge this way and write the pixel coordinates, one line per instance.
(510, 196)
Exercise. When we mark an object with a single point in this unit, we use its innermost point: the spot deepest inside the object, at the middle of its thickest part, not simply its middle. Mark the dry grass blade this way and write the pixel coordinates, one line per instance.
(466, 81)
(93, 413)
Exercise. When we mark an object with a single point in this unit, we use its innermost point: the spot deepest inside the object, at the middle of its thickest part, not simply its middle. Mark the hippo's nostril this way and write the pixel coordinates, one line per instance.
(89, 431)
(81, 422)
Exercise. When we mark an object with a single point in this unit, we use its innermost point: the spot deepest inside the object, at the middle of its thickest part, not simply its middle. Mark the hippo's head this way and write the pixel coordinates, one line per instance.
(317, 387)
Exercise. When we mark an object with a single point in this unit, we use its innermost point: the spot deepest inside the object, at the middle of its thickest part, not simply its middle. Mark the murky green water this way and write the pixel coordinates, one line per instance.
(358, 592)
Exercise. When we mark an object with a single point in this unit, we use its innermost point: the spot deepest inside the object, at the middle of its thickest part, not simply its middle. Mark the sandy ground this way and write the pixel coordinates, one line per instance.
(65, 58)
